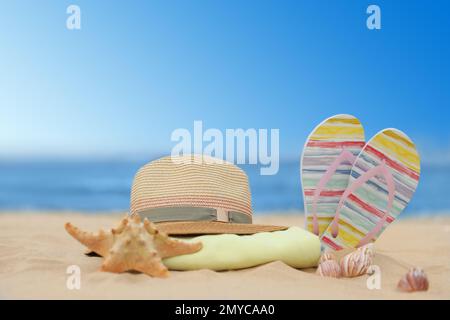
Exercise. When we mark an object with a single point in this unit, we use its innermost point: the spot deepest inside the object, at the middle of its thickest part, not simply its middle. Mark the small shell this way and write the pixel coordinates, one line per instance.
(329, 268)
(358, 262)
(414, 280)
(327, 255)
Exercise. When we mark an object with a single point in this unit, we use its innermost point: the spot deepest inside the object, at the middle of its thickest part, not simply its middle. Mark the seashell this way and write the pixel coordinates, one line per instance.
(329, 268)
(327, 255)
(133, 245)
(414, 280)
(358, 262)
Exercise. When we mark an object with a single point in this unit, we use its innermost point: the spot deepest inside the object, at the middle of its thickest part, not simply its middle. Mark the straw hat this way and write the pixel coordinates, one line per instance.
(195, 194)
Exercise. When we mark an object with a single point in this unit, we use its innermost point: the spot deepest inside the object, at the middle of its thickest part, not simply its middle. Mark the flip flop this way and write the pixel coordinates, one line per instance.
(325, 165)
(382, 183)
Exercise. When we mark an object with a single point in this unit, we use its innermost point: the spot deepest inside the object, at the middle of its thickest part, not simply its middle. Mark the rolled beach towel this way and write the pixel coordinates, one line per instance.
(295, 246)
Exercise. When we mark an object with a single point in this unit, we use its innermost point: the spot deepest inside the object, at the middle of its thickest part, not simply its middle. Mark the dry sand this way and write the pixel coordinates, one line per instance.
(35, 252)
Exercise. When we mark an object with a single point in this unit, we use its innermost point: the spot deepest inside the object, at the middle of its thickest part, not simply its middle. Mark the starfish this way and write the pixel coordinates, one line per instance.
(133, 245)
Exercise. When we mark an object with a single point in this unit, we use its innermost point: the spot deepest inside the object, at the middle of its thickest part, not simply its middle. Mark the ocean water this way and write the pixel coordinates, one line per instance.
(105, 186)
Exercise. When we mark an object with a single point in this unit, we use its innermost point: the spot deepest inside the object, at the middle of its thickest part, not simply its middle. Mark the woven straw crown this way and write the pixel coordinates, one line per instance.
(191, 181)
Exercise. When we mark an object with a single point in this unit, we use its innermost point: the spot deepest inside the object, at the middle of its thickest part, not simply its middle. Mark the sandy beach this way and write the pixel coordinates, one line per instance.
(35, 252)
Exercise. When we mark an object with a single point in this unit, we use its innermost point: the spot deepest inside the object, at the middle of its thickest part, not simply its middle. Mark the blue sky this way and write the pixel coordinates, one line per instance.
(137, 70)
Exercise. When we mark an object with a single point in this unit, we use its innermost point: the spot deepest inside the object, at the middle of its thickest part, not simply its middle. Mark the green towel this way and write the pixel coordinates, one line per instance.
(295, 246)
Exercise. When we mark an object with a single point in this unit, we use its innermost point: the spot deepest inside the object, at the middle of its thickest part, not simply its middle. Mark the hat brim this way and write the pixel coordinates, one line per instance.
(213, 227)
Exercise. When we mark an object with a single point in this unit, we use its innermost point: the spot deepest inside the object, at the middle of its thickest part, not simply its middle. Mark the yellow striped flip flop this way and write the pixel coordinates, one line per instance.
(325, 165)
(382, 182)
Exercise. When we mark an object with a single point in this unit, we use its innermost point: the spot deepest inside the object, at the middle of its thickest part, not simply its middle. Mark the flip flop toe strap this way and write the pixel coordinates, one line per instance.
(344, 156)
(383, 170)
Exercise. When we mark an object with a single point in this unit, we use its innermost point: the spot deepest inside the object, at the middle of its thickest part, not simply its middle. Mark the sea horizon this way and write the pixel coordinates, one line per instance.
(103, 185)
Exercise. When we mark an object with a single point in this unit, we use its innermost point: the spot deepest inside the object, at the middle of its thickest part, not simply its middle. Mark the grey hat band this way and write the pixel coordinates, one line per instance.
(194, 214)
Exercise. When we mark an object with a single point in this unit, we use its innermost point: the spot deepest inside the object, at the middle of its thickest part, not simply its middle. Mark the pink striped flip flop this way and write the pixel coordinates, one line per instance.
(325, 165)
(383, 180)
